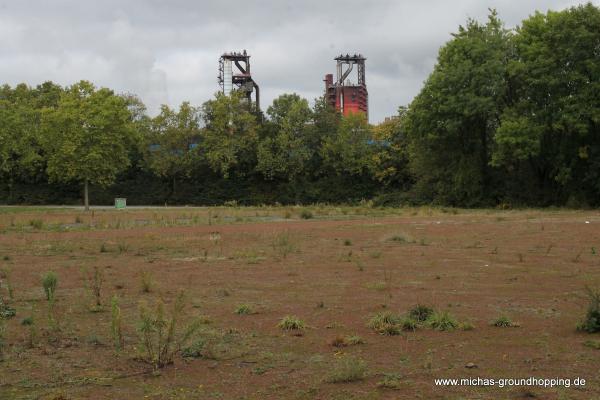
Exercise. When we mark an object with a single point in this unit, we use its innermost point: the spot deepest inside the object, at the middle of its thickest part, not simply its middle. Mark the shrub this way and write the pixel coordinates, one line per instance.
(291, 323)
(348, 369)
(306, 214)
(442, 321)
(116, 329)
(49, 283)
(591, 323)
(420, 312)
(347, 242)
(158, 333)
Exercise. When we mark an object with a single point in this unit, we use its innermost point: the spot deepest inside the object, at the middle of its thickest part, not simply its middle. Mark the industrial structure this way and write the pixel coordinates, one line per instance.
(238, 78)
(343, 94)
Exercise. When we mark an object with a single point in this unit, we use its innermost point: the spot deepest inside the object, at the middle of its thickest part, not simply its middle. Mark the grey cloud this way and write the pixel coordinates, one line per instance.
(167, 51)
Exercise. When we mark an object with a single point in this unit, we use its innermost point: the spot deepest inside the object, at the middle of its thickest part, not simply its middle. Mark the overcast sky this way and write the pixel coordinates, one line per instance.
(168, 51)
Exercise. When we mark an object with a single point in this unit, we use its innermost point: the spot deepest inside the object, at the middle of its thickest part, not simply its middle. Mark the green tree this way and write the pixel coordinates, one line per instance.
(391, 155)
(21, 153)
(230, 134)
(86, 136)
(452, 121)
(170, 148)
(350, 151)
(285, 154)
(552, 127)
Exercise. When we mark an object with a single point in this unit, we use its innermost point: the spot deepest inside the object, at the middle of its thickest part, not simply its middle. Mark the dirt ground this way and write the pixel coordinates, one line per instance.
(334, 271)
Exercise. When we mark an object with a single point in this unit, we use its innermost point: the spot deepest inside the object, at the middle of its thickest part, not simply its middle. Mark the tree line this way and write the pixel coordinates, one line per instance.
(506, 118)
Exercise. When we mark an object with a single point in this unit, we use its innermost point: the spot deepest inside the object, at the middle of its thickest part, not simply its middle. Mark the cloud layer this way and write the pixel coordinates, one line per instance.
(167, 52)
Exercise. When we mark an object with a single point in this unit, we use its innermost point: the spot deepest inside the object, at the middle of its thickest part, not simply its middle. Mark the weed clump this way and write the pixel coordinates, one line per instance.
(390, 381)
(345, 341)
(420, 313)
(94, 282)
(591, 322)
(158, 333)
(49, 283)
(386, 323)
(36, 224)
(502, 322)
(442, 321)
(147, 281)
(243, 309)
(348, 369)
(291, 323)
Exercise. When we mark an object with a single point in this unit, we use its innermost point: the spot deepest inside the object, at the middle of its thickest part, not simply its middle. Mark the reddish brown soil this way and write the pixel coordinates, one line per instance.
(339, 269)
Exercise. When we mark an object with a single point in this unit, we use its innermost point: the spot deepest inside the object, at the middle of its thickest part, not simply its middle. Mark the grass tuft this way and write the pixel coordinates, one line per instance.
(291, 323)
(442, 321)
(348, 369)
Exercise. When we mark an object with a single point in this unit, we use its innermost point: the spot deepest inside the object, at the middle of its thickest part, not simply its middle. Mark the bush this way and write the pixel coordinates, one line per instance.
(591, 323)
(348, 369)
(442, 321)
(291, 323)
(49, 283)
(306, 214)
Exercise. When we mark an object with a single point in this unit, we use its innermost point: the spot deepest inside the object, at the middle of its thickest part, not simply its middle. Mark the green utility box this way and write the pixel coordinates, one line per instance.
(120, 203)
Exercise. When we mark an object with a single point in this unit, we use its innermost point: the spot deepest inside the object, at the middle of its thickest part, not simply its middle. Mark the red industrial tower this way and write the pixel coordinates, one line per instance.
(346, 96)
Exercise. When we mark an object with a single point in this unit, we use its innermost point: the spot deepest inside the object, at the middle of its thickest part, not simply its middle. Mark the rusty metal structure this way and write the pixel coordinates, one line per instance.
(234, 74)
(343, 94)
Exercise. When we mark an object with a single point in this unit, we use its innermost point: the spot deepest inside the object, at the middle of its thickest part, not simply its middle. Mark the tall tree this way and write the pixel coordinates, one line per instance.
(391, 156)
(285, 154)
(350, 151)
(21, 154)
(230, 134)
(171, 147)
(553, 126)
(86, 135)
(452, 121)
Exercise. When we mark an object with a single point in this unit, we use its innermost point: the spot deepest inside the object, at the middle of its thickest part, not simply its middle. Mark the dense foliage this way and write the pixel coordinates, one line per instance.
(506, 118)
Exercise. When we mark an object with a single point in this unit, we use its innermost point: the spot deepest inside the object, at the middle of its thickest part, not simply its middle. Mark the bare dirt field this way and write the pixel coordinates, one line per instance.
(330, 270)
